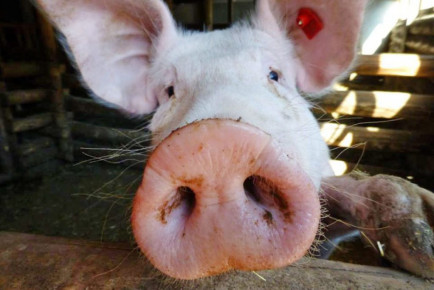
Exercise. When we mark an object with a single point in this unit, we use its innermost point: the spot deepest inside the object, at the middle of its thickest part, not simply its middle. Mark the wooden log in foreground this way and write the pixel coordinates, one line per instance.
(38, 262)
(378, 104)
(396, 64)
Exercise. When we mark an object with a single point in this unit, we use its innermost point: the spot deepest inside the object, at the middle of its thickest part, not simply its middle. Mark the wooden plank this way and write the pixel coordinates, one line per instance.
(21, 69)
(372, 138)
(423, 26)
(32, 122)
(420, 44)
(396, 64)
(378, 104)
(38, 262)
(426, 30)
(26, 96)
(33, 146)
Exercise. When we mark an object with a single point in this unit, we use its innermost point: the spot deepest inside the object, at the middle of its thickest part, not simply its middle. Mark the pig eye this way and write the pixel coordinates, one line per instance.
(170, 91)
(274, 76)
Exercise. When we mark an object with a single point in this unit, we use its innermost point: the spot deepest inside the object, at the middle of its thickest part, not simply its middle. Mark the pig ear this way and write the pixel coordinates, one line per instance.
(113, 43)
(325, 42)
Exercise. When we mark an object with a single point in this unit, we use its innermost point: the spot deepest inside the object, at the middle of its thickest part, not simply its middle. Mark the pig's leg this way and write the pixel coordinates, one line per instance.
(389, 210)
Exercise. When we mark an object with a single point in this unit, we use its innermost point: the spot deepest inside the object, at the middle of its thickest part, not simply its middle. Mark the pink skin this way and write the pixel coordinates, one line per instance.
(201, 238)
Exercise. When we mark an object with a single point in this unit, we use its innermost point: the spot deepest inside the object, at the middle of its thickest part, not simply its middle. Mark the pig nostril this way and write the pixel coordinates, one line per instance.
(187, 199)
(250, 188)
(184, 200)
(264, 192)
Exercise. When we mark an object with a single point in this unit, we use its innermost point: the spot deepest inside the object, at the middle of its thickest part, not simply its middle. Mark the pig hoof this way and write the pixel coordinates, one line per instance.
(400, 222)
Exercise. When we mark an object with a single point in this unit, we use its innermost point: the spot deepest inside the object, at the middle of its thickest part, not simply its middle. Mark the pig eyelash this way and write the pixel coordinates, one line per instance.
(170, 91)
(274, 76)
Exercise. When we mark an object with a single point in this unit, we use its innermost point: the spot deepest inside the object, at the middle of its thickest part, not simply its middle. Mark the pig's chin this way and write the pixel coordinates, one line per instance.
(219, 195)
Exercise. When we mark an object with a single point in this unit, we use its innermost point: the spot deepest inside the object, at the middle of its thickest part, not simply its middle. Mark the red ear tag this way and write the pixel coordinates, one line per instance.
(309, 22)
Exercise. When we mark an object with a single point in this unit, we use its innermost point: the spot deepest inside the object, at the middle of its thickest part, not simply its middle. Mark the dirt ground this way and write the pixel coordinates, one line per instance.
(89, 201)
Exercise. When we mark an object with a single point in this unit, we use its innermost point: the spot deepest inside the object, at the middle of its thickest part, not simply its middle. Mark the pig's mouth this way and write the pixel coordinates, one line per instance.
(219, 195)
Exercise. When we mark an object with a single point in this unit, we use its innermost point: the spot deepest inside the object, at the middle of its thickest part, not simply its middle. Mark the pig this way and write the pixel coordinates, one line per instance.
(239, 175)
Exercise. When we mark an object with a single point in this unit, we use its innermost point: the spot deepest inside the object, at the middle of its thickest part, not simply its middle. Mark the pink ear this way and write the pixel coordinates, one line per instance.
(330, 51)
(113, 42)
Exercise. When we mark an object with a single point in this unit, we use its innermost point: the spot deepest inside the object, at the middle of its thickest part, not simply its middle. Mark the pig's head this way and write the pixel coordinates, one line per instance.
(233, 182)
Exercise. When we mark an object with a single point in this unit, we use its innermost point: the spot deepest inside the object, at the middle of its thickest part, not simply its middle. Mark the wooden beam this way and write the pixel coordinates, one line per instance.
(377, 104)
(423, 26)
(31, 123)
(26, 96)
(35, 262)
(420, 44)
(35, 145)
(230, 11)
(396, 64)
(422, 30)
(21, 69)
(376, 139)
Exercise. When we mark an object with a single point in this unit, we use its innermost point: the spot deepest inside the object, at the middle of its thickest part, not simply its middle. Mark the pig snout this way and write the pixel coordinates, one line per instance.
(220, 195)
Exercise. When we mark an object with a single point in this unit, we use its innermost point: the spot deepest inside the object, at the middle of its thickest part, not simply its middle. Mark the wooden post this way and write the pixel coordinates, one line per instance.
(209, 15)
(230, 12)
(48, 38)
(6, 162)
(6, 158)
(57, 99)
(398, 37)
(59, 114)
